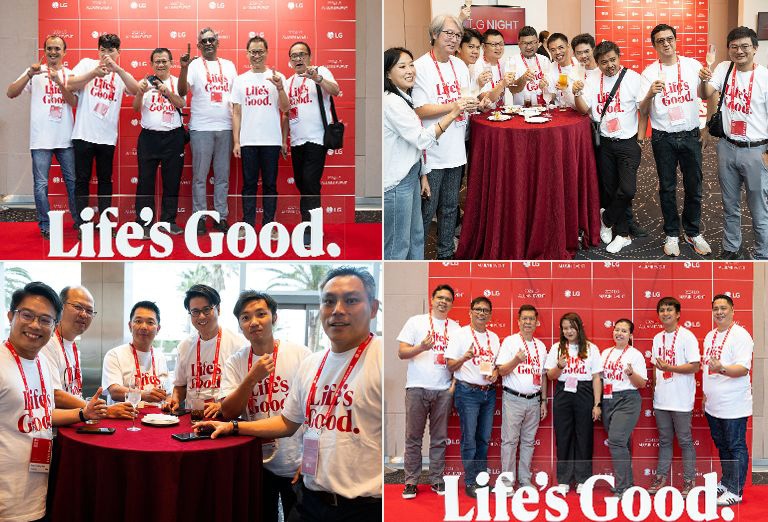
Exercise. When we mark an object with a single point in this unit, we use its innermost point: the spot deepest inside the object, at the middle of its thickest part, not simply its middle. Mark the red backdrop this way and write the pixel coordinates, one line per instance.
(601, 292)
(327, 25)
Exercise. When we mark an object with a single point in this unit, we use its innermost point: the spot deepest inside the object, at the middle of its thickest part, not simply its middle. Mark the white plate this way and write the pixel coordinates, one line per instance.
(536, 119)
(503, 117)
(158, 419)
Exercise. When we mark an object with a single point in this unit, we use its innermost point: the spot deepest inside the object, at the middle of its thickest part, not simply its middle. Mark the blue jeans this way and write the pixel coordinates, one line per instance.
(730, 437)
(41, 166)
(444, 186)
(260, 158)
(475, 408)
(403, 227)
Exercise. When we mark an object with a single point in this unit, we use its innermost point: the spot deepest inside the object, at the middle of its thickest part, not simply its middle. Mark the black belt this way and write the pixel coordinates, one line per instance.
(513, 392)
(482, 387)
(332, 499)
(692, 132)
(615, 140)
(747, 144)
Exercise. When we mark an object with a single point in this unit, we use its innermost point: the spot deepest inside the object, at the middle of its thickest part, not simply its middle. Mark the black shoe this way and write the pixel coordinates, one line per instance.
(410, 491)
(221, 226)
(201, 230)
(438, 488)
(307, 238)
(637, 231)
(727, 255)
(146, 232)
(470, 491)
(176, 230)
(46, 234)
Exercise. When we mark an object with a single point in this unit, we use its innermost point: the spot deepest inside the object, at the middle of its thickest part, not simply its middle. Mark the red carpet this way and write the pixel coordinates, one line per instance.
(359, 241)
(428, 506)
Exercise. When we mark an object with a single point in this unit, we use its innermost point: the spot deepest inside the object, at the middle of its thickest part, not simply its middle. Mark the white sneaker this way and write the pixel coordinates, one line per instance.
(579, 487)
(671, 247)
(274, 235)
(565, 488)
(510, 485)
(720, 489)
(728, 499)
(618, 243)
(699, 244)
(241, 234)
(606, 233)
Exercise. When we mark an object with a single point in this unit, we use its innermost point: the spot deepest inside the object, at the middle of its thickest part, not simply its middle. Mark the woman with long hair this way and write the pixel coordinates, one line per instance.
(404, 140)
(575, 366)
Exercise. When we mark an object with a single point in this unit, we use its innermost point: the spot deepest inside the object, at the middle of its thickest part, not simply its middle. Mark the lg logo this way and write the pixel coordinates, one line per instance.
(134, 122)
(59, 5)
(692, 324)
(331, 210)
(331, 35)
(491, 293)
(291, 181)
(134, 180)
(57, 179)
(531, 264)
(608, 324)
(611, 264)
(215, 5)
(733, 295)
(572, 293)
(648, 294)
(691, 264)
(94, 34)
(295, 5)
(178, 34)
(137, 5)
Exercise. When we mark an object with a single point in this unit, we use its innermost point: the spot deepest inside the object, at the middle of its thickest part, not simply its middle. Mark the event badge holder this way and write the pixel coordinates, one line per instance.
(596, 125)
(40, 458)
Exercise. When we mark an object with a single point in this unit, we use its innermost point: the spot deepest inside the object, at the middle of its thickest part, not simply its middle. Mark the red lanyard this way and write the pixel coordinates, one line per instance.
(616, 99)
(748, 95)
(44, 399)
(477, 343)
(439, 73)
(432, 329)
(215, 361)
(334, 398)
(716, 351)
(138, 368)
(679, 74)
(498, 67)
(671, 347)
(608, 359)
(535, 57)
(208, 73)
(271, 376)
(77, 375)
(560, 69)
(532, 359)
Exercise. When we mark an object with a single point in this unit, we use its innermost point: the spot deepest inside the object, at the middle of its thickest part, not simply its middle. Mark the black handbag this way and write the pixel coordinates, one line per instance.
(596, 124)
(183, 126)
(715, 123)
(333, 138)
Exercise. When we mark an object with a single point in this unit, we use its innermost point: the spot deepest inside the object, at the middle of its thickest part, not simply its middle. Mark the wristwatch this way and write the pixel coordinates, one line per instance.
(235, 427)
(82, 415)
(722, 370)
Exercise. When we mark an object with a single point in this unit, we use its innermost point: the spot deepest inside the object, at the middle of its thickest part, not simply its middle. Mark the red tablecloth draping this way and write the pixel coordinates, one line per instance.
(147, 475)
(531, 189)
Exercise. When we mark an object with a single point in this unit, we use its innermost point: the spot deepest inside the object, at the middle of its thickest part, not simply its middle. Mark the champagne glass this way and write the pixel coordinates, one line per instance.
(470, 91)
(548, 95)
(711, 52)
(512, 68)
(133, 397)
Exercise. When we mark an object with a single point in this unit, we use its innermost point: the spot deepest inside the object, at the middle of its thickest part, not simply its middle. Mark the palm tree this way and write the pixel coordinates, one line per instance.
(15, 278)
(213, 275)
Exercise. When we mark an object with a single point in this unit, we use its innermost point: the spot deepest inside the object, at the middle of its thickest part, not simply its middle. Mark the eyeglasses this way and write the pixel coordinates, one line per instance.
(532, 43)
(257, 52)
(195, 312)
(743, 47)
(669, 40)
(482, 311)
(451, 35)
(80, 309)
(29, 317)
(209, 40)
(495, 45)
(298, 56)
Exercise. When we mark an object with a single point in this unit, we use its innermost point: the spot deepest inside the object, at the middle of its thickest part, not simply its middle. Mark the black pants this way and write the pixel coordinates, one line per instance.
(274, 489)
(260, 159)
(308, 164)
(166, 149)
(312, 508)
(85, 153)
(617, 164)
(572, 418)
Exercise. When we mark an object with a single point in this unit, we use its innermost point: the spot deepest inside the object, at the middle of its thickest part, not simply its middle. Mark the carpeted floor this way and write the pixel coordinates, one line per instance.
(648, 215)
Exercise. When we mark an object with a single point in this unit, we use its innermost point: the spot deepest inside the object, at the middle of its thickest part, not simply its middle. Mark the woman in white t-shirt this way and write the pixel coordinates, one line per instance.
(574, 364)
(624, 373)
(404, 140)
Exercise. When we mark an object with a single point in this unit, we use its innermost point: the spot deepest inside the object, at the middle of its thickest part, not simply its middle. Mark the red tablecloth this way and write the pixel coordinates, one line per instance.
(531, 189)
(147, 475)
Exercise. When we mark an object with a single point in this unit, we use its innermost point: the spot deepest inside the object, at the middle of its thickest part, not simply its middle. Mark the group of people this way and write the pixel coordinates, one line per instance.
(237, 378)
(450, 364)
(249, 115)
(427, 102)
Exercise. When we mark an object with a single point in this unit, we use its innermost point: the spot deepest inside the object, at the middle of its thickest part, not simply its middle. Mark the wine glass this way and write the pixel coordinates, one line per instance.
(133, 397)
(711, 52)
(470, 91)
(548, 95)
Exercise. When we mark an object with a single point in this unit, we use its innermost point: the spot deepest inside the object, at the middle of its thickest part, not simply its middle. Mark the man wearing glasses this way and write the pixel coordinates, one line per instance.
(671, 86)
(210, 124)
(471, 355)
(27, 414)
(530, 68)
(64, 356)
(201, 356)
(495, 78)
(743, 155)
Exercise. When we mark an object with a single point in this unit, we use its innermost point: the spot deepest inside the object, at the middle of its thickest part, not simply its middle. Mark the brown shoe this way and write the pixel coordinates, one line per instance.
(659, 482)
(688, 485)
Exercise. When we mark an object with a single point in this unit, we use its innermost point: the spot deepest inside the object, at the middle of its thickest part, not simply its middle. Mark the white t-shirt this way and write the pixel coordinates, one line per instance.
(538, 64)
(677, 392)
(289, 359)
(676, 108)
(260, 115)
(430, 89)
(62, 379)
(22, 493)
(621, 118)
(119, 367)
(187, 372)
(581, 369)
(304, 117)
(50, 117)
(157, 111)
(521, 378)
(615, 362)
(728, 397)
(98, 105)
(734, 104)
(555, 69)
(462, 341)
(428, 370)
(349, 462)
(211, 90)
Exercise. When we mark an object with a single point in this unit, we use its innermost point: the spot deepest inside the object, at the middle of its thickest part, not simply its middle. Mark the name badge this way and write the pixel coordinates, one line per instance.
(439, 359)
(311, 453)
(55, 113)
(168, 119)
(40, 458)
(537, 379)
(217, 98)
(571, 383)
(293, 114)
(486, 368)
(608, 390)
(676, 114)
(613, 125)
(100, 110)
(666, 375)
(461, 120)
(739, 128)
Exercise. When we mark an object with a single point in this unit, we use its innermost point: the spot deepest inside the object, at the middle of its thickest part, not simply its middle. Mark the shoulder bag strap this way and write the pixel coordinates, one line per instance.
(613, 92)
(322, 105)
(725, 87)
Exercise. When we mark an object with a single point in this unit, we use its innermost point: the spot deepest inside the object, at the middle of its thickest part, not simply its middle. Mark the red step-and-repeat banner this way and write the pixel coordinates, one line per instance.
(601, 293)
(628, 23)
(327, 25)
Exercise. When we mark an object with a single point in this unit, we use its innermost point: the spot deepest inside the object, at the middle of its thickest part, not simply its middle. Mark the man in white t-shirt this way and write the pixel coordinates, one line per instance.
(530, 69)
(490, 70)
(618, 154)
(524, 403)
(671, 88)
(64, 356)
(101, 84)
(727, 401)
(257, 379)
(423, 341)
(676, 359)
(471, 355)
(27, 411)
(341, 463)
(583, 46)
(742, 156)
(564, 66)
(210, 126)
(440, 78)
(201, 356)
(258, 101)
(137, 362)
(50, 125)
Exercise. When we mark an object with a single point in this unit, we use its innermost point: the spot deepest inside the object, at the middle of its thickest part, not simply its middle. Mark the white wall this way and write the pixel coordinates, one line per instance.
(749, 19)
